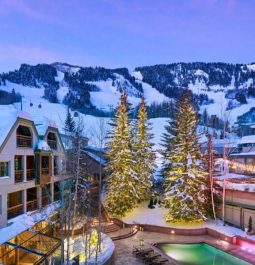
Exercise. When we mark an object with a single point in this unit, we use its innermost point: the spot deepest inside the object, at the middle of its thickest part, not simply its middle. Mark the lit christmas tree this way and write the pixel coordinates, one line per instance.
(122, 180)
(185, 177)
(143, 153)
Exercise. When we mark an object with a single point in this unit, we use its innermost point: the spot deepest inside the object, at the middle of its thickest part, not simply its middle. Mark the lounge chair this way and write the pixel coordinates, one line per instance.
(148, 258)
(143, 252)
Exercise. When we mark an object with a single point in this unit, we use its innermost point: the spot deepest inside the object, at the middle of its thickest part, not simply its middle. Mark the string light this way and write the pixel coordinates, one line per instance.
(247, 168)
(237, 166)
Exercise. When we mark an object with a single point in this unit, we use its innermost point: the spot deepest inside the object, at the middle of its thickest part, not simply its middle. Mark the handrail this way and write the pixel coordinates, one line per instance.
(30, 174)
(32, 205)
(15, 210)
(19, 175)
(52, 144)
(45, 171)
(24, 141)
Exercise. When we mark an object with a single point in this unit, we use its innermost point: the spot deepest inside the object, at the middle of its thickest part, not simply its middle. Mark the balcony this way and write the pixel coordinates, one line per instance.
(19, 176)
(31, 205)
(24, 141)
(15, 211)
(46, 200)
(52, 144)
(45, 171)
(30, 174)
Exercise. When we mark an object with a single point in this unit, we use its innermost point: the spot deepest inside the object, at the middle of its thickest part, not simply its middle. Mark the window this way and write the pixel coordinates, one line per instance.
(56, 166)
(18, 163)
(4, 169)
(52, 140)
(24, 137)
(45, 165)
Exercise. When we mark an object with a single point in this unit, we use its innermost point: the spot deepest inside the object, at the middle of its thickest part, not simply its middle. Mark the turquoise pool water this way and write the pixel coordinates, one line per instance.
(199, 254)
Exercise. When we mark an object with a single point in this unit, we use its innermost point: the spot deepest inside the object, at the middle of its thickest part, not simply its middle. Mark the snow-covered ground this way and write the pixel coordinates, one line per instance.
(144, 215)
(78, 247)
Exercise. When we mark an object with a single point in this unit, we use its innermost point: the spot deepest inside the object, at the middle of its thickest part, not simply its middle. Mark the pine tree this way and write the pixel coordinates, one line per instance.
(167, 142)
(143, 153)
(69, 122)
(185, 177)
(249, 225)
(122, 180)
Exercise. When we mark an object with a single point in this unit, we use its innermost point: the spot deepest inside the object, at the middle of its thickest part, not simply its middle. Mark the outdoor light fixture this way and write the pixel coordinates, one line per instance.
(141, 242)
(172, 232)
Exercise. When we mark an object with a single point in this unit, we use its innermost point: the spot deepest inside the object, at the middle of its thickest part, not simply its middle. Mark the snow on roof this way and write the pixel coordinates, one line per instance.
(247, 139)
(43, 124)
(8, 116)
(96, 158)
(238, 186)
(42, 145)
(233, 176)
(23, 222)
(24, 115)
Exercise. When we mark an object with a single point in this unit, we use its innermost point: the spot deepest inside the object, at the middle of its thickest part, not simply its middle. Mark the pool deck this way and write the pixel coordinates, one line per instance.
(123, 248)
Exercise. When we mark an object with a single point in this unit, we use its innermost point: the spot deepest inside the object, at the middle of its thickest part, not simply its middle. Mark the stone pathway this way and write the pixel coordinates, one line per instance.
(123, 248)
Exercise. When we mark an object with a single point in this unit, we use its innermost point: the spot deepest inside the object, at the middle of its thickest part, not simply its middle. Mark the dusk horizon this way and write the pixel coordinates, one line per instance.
(126, 33)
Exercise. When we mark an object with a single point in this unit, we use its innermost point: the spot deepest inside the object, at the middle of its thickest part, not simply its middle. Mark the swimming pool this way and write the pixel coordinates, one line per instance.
(199, 254)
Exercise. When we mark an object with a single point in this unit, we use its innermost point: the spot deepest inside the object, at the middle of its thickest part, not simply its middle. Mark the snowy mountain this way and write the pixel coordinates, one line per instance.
(219, 88)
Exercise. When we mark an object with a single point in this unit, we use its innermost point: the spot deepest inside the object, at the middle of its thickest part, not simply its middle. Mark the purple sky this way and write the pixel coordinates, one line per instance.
(115, 33)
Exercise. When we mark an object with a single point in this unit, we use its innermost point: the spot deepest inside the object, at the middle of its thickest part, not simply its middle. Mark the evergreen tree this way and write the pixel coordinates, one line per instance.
(167, 142)
(249, 225)
(122, 180)
(143, 153)
(251, 91)
(69, 122)
(185, 177)
(204, 118)
(240, 96)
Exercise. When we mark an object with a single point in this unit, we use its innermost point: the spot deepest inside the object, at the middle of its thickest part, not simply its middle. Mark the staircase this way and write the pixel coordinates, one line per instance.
(106, 227)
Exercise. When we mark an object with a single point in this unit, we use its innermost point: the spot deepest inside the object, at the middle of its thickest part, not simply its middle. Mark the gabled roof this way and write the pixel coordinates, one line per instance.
(9, 123)
(11, 117)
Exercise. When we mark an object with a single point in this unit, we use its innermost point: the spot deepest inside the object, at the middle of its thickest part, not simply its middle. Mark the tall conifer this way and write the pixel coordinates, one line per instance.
(143, 153)
(122, 180)
(185, 177)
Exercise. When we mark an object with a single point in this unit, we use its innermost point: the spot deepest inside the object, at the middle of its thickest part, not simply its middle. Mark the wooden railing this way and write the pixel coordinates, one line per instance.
(45, 171)
(24, 141)
(15, 211)
(31, 205)
(44, 180)
(30, 174)
(52, 144)
(19, 176)
(46, 200)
